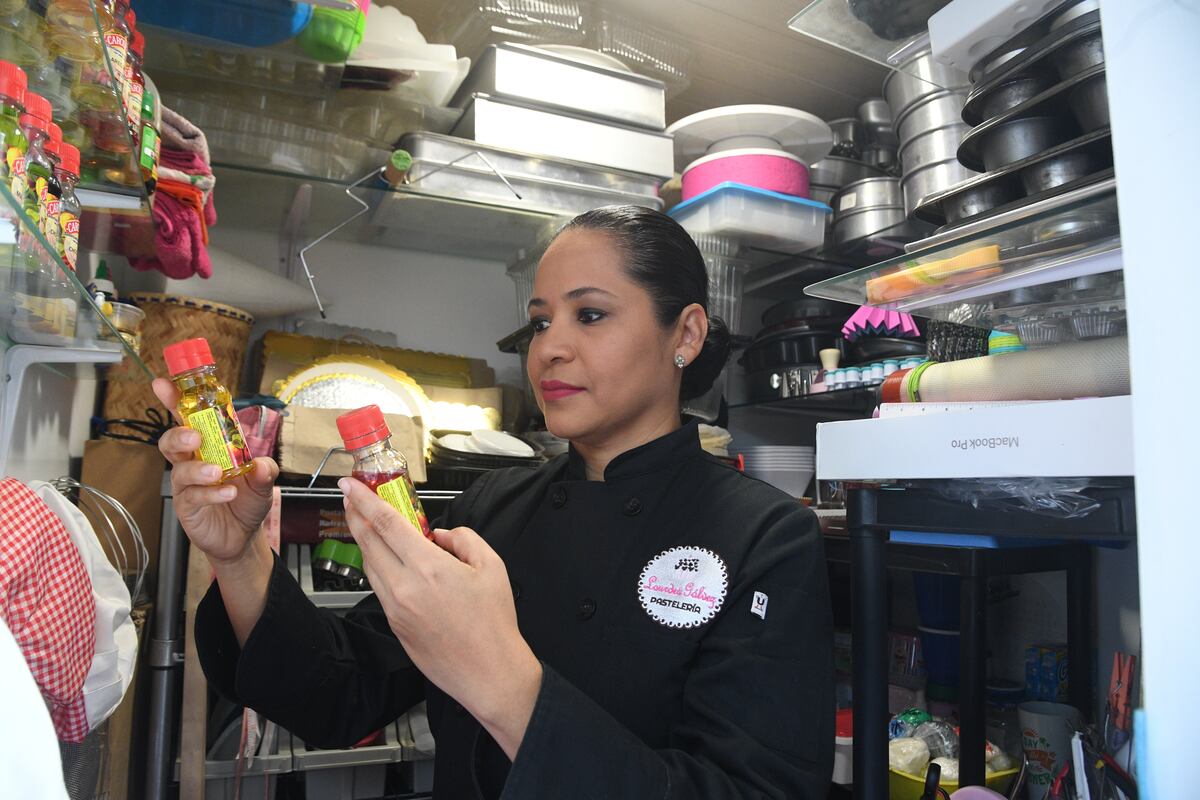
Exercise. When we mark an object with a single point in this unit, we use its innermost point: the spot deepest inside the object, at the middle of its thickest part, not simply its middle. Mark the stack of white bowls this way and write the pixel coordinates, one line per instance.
(785, 467)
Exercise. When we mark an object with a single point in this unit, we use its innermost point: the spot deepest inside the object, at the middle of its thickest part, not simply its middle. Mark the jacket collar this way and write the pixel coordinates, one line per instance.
(654, 456)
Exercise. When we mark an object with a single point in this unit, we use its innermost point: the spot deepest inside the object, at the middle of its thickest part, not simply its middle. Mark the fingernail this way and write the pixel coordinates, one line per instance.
(210, 472)
(344, 485)
(227, 492)
(441, 530)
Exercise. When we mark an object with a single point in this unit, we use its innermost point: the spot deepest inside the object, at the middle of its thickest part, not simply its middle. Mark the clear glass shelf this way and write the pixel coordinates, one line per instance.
(66, 61)
(404, 218)
(859, 401)
(275, 106)
(42, 301)
(1065, 253)
(888, 37)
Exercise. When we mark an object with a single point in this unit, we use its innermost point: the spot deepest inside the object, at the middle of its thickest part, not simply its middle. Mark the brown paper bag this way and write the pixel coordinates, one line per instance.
(308, 433)
(132, 474)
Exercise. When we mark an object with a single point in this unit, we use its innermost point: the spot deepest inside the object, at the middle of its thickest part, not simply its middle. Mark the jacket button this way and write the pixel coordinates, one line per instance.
(559, 498)
(633, 507)
(587, 609)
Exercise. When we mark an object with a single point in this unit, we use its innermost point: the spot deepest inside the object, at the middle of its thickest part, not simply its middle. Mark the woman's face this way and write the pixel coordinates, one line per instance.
(600, 363)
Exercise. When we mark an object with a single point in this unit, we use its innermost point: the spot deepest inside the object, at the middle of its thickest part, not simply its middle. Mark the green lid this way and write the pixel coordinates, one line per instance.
(401, 160)
(148, 101)
(325, 550)
(348, 555)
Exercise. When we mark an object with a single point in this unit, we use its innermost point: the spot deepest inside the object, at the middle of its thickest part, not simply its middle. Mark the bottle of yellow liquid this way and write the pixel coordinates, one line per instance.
(206, 406)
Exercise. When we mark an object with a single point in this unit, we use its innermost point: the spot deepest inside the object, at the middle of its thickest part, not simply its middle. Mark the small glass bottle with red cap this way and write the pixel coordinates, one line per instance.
(206, 406)
(379, 465)
(13, 144)
(70, 209)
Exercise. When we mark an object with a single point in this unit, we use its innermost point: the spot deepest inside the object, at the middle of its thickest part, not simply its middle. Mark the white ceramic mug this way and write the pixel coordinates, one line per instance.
(1046, 730)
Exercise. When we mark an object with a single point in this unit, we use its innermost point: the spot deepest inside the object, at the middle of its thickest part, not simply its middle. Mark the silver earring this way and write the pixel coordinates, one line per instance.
(680, 361)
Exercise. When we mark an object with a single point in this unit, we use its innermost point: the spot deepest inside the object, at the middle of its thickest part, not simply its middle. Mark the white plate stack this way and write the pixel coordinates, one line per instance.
(789, 468)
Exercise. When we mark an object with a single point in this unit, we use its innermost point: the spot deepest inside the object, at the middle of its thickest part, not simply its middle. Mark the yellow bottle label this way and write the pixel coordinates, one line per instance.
(51, 226)
(399, 496)
(16, 171)
(70, 237)
(213, 447)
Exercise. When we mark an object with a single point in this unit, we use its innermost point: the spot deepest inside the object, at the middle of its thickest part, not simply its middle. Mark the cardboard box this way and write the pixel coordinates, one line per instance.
(307, 434)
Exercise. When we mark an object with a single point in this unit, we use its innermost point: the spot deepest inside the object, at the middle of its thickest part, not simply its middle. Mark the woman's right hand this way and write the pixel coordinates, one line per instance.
(220, 519)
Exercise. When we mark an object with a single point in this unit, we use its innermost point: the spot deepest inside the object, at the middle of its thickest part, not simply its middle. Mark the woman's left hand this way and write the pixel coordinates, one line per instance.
(450, 604)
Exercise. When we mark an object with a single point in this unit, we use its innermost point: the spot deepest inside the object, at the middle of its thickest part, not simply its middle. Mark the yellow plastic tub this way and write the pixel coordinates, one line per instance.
(906, 786)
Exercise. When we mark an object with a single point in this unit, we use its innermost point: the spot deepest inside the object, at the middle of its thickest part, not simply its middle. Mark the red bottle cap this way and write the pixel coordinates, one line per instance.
(69, 154)
(38, 107)
(187, 355)
(13, 82)
(54, 143)
(362, 427)
(892, 390)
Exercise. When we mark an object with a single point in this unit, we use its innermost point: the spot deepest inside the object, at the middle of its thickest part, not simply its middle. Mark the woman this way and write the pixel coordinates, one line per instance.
(634, 619)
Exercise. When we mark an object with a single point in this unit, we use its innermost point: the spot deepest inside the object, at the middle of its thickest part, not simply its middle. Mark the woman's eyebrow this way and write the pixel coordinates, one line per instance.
(574, 294)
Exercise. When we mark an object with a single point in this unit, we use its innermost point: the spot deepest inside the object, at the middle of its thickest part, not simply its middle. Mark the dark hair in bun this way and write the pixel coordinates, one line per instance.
(662, 258)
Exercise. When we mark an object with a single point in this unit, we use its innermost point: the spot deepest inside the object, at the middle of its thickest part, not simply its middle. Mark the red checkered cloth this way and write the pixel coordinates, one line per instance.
(46, 601)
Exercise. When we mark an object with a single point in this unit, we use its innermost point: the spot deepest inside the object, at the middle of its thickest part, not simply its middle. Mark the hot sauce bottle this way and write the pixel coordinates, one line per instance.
(206, 406)
(379, 465)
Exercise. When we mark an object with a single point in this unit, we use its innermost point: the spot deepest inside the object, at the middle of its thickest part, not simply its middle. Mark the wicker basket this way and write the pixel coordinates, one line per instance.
(172, 318)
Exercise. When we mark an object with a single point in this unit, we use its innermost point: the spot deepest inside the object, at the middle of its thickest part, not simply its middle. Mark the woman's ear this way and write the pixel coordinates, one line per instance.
(692, 330)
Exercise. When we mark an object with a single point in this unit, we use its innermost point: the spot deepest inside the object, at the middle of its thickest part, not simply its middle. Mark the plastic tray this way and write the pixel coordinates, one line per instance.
(755, 217)
(349, 774)
(258, 779)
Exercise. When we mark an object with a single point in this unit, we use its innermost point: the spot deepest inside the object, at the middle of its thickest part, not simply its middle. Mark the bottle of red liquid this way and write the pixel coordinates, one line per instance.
(379, 465)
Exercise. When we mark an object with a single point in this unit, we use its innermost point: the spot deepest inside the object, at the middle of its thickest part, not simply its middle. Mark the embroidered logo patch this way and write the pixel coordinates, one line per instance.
(683, 587)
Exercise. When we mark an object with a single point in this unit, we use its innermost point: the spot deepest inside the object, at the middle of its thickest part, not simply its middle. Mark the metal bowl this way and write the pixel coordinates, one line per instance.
(1052, 172)
(1089, 103)
(822, 194)
(1078, 55)
(849, 138)
(868, 193)
(1012, 93)
(860, 224)
(930, 113)
(978, 200)
(875, 112)
(880, 156)
(932, 147)
(837, 172)
(1017, 139)
(918, 186)
(919, 77)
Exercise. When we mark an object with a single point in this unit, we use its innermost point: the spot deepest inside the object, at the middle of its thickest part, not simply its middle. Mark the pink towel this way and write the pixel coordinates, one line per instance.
(180, 250)
(180, 134)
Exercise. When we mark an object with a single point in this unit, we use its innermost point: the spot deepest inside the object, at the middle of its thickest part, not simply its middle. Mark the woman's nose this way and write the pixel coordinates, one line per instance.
(552, 344)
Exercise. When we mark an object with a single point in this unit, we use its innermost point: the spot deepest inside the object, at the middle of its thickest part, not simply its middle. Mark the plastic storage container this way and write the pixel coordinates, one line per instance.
(250, 23)
(350, 774)
(258, 779)
(726, 275)
(755, 217)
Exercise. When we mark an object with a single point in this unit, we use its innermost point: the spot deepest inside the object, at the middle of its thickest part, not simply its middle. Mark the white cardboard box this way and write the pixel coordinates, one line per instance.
(1068, 438)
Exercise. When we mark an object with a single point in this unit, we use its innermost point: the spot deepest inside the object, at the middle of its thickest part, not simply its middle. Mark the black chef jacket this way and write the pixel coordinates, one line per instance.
(654, 686)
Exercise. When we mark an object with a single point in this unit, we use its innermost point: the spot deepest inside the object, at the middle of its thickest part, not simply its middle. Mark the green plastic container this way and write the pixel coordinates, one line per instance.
(331, 36)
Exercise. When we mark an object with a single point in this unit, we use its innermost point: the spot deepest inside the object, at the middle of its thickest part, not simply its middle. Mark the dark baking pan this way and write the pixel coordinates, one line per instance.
(867, 349)
(980, 148)
(789, 349)
(1099, 143)
(1036, 59)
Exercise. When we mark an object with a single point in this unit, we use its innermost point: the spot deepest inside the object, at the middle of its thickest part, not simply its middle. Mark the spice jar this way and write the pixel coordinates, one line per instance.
(379, 465)
(206, 406)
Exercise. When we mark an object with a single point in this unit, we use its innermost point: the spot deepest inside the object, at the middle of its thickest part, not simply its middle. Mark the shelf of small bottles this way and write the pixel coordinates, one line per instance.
(43, 302)
(71, 52)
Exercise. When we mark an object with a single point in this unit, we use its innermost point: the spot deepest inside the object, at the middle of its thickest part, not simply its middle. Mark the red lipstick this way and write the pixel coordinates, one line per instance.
(557, 390)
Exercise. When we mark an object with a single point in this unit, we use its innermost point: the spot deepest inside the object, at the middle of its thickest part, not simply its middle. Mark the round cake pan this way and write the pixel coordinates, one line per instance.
(867, 193)
(978, 200)
(1078, 55)
(860, 224)
(773, 170)
(1089, 103)
(935, 111)
(1057, 171)
(932, 179)
(1012, 93)
(932, 147)
(837, 172)
(1018, 139)
(919, 77)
